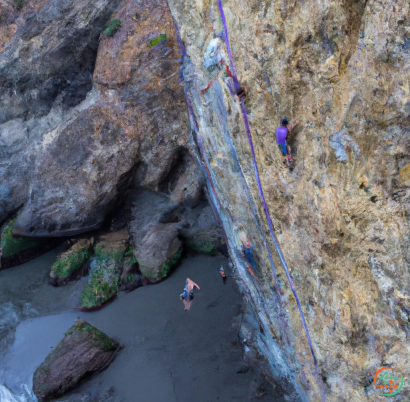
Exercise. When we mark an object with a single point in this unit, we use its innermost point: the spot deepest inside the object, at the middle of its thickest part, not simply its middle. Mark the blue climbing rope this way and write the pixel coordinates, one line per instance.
(265, 207)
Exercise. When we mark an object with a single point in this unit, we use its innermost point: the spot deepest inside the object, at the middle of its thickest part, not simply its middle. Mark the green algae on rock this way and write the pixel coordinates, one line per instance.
(82, 352)
(72, 260)
(112, 28)
(101, 286)
(105, 270)
(13, 245)
(105, 342)
(155, 41)
(202, 245)
(168, 264)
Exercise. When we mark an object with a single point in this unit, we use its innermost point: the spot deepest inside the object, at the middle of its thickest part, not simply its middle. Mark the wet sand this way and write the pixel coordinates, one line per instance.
(169, 354)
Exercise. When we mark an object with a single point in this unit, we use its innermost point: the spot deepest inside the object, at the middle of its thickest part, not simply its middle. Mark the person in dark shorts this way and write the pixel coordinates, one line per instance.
(281, 134)
(189, 289)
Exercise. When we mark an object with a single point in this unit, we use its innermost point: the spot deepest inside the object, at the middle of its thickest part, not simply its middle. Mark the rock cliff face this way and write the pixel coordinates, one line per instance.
(84, 115)
(341, 215)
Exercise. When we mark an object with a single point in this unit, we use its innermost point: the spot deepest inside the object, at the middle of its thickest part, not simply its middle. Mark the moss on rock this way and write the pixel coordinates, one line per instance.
(72, 260)
(112, 28)
(82, 352)
(155, 41)
(13, 245)
(104, 252)
(102, 284)
(105, 270)
(102, 339)
(204, 246)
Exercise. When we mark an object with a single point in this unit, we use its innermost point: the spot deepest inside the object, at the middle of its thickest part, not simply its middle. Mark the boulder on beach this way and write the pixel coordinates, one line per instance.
(82, 352)
(70, 264)
(105, 269)
(200, 230)
(158, 250)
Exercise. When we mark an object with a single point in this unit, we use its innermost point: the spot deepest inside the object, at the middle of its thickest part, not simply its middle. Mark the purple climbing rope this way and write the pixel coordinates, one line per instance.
(228, 46)
(265, 207)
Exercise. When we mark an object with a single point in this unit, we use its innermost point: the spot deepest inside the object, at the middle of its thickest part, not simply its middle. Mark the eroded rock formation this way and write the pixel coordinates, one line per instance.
(73, 136)
(342, 214)
(82, 352)
(110, 113)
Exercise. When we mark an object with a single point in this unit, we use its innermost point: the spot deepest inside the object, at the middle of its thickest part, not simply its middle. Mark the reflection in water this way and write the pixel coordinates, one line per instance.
(187, 304)
(8, 321)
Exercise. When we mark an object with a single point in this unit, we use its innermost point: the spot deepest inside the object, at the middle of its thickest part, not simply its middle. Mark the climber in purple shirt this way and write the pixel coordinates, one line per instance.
(281, 134)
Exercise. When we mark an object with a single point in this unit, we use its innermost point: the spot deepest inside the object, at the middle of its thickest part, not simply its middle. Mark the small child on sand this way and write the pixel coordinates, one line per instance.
(222, 272)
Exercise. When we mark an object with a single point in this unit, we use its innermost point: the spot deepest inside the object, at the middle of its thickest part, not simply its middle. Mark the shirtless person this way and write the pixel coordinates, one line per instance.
(188, 291)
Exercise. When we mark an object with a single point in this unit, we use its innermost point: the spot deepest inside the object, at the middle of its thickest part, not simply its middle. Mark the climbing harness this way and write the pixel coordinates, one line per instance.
(265, 207)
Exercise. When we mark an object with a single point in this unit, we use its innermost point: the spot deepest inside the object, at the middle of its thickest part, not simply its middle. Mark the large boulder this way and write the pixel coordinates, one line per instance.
(82, 352)
(105, 269)
(47, 57)
(150, 208)
(200, 230)
(71, 264)
(133, 121)
(154, 230)
(158, 250)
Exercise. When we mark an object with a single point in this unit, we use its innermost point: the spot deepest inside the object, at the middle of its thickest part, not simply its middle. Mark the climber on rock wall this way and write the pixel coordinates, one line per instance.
(282, 133)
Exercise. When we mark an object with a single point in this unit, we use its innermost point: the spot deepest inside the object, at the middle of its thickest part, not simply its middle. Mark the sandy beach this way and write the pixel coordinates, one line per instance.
(169, 354)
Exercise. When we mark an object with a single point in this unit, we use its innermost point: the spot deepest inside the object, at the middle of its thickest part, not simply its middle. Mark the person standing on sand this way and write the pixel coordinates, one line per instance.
(222, 272)
(188, 291)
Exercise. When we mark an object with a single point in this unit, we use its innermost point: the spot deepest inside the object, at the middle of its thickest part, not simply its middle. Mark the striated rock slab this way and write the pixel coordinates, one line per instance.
(83, 352)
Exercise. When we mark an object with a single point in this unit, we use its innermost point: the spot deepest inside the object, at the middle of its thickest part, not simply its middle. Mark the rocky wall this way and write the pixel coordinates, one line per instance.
(341, 213)
(85, 115)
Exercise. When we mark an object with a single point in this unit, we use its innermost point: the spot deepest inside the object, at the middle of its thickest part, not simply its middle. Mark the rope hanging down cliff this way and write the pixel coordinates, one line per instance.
(265, 207)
